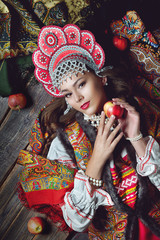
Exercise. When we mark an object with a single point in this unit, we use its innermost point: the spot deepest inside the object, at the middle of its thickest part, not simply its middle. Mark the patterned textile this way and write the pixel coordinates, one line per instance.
(131, 26)
(144, 48)
(155, 213)
(145, 88)
(31, 16)
(151, 120)
(41, 174)
(115, 227)
(80, 143)
(36, 139)
(156, 33)
(43, 184)
(17, 39)
(15, 72)
(125, 181)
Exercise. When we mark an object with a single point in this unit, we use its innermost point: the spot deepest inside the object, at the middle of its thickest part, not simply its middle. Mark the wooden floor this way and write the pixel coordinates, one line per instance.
(14, 130)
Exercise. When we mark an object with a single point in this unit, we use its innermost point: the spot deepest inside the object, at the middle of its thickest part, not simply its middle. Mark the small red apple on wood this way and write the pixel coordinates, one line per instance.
(17, 101)
(112, 109)
(36, 225)
(120, 42)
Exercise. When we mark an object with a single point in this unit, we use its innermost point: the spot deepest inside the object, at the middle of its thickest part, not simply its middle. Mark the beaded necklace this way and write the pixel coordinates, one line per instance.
(94, 119)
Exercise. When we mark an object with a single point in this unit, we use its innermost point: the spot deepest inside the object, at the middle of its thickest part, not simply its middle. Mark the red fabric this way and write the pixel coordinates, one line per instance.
(145, 233)
(54, 211)
(47, 196)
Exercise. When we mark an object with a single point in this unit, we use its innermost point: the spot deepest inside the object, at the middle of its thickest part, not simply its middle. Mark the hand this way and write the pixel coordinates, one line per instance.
(104, 146)
(131, 123)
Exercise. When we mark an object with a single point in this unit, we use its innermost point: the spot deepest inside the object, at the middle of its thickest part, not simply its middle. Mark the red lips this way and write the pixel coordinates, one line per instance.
(85, 105)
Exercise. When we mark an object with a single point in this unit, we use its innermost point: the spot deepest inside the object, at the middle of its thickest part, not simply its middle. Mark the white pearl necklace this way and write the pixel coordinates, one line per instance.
(94, 119)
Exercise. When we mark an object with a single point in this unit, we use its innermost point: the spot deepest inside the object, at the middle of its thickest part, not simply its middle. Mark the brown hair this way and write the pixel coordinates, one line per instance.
(120, 82)
(52, 117)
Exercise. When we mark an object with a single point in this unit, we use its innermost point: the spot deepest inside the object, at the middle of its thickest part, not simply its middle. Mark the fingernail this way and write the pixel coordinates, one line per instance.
(113, 116)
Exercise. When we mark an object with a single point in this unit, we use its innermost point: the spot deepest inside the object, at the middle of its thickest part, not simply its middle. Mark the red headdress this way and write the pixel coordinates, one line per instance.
(64, 51)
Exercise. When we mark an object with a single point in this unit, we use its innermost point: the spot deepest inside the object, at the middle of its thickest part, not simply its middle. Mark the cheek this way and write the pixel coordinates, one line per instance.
(70, 102)
(94, 89)
(97, 90)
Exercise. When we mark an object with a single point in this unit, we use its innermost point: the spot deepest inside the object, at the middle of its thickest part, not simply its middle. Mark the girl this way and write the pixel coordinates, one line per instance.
(113, 183)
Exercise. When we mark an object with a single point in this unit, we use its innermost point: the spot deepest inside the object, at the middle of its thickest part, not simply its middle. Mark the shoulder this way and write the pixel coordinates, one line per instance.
(56, 150)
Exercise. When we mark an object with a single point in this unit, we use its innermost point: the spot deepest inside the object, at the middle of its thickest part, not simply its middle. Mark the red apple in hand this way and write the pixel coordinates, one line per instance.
(120, 42)
(36, 225)
(17, 101)
(112, 109)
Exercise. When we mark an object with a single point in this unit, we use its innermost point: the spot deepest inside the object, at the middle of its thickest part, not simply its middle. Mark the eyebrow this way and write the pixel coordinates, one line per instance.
(66, 90)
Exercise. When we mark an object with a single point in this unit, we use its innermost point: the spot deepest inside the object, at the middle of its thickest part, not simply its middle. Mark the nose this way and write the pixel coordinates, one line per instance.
(78, 97)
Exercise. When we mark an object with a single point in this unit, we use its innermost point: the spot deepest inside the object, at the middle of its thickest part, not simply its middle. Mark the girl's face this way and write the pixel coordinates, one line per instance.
(85, 92)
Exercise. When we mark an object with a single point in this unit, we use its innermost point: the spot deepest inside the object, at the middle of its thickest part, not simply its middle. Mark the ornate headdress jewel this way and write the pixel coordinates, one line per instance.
(62, 51)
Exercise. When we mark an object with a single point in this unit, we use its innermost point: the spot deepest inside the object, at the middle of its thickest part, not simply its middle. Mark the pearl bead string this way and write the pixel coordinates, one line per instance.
(94, 119)
(95, 182)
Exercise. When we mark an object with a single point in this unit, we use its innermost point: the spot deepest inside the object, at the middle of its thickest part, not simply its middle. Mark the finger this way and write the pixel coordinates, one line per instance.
(116, 140)
(122, 103)
(114, 133)
(102, 123)
(127, 107)
(118, 100)
(109, 125)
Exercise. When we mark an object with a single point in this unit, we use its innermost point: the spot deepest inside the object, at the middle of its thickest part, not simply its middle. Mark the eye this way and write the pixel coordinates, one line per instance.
(82, 84)
(68, 95)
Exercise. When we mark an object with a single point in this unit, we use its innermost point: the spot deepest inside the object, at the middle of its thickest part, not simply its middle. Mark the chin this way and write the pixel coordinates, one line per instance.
(89, 112)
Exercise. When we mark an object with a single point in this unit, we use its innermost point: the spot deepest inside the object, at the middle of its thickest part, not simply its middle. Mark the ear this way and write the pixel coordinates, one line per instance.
(104, 80)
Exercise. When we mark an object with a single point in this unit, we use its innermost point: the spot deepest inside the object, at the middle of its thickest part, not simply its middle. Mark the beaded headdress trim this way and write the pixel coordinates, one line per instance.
(63, 51)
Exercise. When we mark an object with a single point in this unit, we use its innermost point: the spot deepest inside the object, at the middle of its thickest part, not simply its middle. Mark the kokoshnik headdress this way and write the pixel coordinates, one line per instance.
(65, 51)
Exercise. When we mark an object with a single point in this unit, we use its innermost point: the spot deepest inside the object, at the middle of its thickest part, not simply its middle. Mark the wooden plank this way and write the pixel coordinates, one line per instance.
(9, 213)
(14, 134)
(58, 236)
(9, 187)
(18, 229)
(4, 107)
(10, 205)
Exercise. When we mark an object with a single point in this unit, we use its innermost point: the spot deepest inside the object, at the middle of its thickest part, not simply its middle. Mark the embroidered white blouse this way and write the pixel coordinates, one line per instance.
(80, 204)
